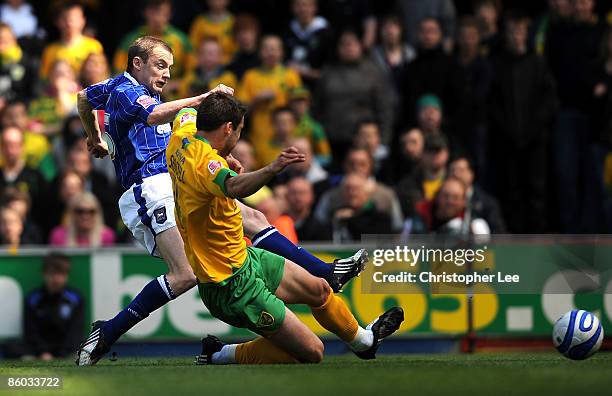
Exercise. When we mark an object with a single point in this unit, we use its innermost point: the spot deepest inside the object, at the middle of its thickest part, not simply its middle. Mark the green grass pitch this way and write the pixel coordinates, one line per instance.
(480, 374)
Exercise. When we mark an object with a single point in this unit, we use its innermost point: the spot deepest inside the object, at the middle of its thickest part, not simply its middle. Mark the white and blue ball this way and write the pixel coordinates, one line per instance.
(578, 334)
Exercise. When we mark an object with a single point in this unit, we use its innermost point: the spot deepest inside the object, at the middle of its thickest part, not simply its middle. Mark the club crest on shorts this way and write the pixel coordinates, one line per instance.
(265, 319)
(213, 166)
(160, 215)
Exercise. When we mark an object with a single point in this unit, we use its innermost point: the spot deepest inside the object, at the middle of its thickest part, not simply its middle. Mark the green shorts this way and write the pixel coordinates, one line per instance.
(247, 298)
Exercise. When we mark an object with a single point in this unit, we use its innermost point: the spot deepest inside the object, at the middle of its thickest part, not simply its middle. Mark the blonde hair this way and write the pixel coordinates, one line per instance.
(95, 235)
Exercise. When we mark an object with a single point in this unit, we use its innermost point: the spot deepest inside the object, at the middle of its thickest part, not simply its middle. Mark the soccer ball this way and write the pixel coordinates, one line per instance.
(578, 334)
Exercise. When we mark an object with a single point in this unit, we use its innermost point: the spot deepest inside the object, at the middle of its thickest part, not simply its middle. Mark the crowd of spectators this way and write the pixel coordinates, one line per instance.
(437, 116)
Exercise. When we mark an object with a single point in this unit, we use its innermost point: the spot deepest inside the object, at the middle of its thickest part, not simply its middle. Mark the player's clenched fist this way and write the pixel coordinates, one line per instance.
(234, 164)
(99, 148)
(288, 156)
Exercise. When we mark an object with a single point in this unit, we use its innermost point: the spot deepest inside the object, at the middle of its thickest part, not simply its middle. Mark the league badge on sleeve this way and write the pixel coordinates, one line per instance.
(145, 101)
(214, 166)
(187, 117)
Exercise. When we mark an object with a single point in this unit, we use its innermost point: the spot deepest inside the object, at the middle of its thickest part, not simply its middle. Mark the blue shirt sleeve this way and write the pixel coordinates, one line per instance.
(97, 94)
(135, 105)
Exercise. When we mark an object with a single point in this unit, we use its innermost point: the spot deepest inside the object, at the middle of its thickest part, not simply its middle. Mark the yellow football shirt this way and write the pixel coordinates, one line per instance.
(223, 30)
(280, 80)
(209, 221)
(75, 54)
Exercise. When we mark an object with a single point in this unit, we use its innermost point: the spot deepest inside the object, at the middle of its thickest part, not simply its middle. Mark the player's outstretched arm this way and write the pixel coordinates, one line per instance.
(165, 112)
(95, 144)
(249, 183)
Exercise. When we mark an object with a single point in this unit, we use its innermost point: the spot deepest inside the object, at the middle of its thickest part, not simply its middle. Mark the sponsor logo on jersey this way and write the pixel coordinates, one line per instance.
(214, 166)
(163, 129)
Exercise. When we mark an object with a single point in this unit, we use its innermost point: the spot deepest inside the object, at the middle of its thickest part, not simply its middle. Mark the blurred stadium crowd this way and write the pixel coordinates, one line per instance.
(416, 116)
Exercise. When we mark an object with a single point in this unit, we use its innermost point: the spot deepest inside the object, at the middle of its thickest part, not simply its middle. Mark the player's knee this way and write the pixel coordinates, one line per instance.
(319, 292)
(314, 351)
(253, 221)
(258, 221)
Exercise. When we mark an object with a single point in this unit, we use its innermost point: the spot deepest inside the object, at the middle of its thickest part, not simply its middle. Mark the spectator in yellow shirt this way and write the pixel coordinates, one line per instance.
(157, 15)
(73, 47)
(58, 99)
(265, 88)
(209, 71)
(218, 22)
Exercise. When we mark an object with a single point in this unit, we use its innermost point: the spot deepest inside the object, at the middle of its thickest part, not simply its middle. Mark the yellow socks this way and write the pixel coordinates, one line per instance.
(335, 316)
(261, 351)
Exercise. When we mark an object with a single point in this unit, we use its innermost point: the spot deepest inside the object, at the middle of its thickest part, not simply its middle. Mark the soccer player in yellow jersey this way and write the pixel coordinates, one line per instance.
(245, 286)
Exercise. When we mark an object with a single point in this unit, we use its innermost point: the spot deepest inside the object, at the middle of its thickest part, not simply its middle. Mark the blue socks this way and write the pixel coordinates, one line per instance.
(154, 295)
(273, 241)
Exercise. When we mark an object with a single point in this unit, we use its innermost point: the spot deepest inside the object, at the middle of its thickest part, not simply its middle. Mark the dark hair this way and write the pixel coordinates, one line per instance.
(64, 6)
(143, 47)
(156, 3)
(12, 194)
(217, 109)
(516, 16)
(430, 18)
(495, 3)
(347, 32)
(355, 149)
(284, 109)
(391, 19)
(365, 121)
(435, 143)
(463, 157)
(469, 21)
(56, 262)
(245, 22)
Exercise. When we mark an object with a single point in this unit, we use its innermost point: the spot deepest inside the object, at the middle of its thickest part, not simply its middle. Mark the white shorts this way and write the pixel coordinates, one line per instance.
(147, 209)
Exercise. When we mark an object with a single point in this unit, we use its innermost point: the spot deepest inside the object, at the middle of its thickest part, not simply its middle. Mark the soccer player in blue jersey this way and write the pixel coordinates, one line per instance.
(136, 135)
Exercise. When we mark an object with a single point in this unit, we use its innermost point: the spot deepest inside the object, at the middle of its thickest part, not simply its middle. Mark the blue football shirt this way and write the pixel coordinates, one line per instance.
(140, 147)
